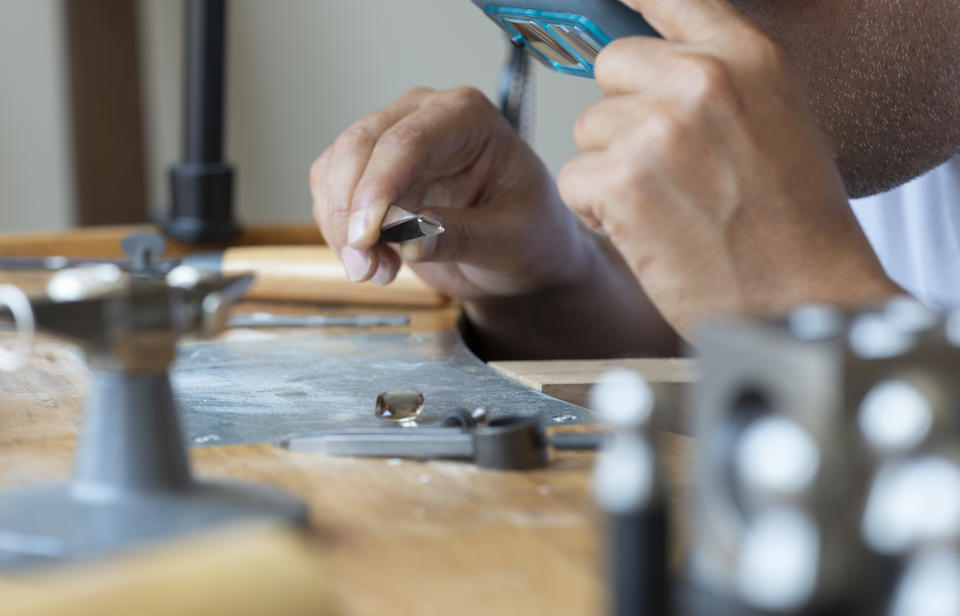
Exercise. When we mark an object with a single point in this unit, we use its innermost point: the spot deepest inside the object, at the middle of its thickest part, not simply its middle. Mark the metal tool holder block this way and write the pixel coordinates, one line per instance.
(131, 480)
(782, 402)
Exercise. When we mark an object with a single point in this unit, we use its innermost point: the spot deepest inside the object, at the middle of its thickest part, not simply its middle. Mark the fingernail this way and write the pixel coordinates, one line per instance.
(358, 226)
(383, 276)
(356, 262)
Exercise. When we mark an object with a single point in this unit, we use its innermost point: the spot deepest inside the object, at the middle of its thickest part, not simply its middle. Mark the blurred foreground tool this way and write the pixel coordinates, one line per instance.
(242, 570)
(829, 478)
(629, 488)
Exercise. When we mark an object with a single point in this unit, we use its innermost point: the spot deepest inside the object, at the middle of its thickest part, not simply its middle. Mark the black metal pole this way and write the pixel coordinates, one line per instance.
(203, 125)
(638, 543)
(202, 183)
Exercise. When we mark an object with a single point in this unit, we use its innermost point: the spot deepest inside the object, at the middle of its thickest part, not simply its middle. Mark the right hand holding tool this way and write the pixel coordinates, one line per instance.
(452, 156)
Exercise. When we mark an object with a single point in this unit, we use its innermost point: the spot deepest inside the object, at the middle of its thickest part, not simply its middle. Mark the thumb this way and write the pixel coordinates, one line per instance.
(464, 239)
(690, 21)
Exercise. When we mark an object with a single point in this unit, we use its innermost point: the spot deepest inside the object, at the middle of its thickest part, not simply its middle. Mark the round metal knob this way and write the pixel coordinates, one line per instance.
(87, 282)
(19, 306)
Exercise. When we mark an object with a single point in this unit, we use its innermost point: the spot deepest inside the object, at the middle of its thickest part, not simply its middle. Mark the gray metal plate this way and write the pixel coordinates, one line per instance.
(44, 524)
(261, 390)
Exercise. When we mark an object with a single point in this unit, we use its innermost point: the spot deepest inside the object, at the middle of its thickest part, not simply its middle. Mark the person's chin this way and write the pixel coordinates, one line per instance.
(868, 176)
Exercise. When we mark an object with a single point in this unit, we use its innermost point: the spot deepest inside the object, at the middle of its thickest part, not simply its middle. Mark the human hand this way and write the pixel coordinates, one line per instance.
(452, 156)
(707, 171)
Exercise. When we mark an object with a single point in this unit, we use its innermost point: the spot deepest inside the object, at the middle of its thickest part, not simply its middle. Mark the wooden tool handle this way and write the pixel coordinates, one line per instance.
(242, 570)
(314, 273)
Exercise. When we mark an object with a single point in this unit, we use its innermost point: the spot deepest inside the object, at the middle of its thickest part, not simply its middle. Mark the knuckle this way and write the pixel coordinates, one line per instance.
(353, 140)
(369, 190)
(588, 206)
(625, 178)
(566, 179)
(616, 62)
(709, 79)
(418, 92)
(339, 209)
(403, 135)
(604, 65)
(318, 170)
(662, 129)
(770, 56)
(465, 98)
(582, 127)
(613, 227)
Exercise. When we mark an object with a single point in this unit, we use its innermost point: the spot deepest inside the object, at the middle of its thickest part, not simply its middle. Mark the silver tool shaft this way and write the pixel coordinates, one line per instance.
(506, 443)
(427, 443)
(264, 319)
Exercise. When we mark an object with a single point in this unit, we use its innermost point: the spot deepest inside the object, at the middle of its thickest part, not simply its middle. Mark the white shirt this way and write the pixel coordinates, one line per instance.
(915, 231)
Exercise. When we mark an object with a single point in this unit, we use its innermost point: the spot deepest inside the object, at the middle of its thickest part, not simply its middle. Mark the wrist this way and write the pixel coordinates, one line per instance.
(534, 324)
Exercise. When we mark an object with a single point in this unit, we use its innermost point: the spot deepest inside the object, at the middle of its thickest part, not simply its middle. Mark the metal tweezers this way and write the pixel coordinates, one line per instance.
(401, 226)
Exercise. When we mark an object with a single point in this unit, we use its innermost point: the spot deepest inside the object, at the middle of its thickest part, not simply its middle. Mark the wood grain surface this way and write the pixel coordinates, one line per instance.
(91, 242)
(401, 538)
(571, 380)
(315, 274)
(243, 570)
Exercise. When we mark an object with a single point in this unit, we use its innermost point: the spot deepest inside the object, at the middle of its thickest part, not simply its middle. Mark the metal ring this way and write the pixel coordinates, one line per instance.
(18, 303)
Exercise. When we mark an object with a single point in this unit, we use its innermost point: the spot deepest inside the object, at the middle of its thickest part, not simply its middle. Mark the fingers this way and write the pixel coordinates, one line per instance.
(350, 154)
(359, 264)
(333, 178)
(604, 121)
(388, 265)
(444, 137)
(451, 245)
(652, 81)
(691, 20)
(472, 236)
(427, 149)
(628, 62)
(579, 189)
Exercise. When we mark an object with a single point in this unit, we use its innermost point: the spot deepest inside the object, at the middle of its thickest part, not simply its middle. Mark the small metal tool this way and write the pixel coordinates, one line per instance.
(401, 226)
(266, 319)
(508, 443)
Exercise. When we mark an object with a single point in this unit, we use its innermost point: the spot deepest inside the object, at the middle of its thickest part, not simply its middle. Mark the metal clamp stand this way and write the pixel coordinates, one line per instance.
(132, 480)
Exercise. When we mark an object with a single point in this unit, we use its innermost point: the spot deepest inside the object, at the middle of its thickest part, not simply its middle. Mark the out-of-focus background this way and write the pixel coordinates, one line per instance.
(90, 97)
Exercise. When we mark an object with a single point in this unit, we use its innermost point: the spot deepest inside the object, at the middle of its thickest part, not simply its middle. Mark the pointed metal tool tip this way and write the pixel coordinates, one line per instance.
(401, 226)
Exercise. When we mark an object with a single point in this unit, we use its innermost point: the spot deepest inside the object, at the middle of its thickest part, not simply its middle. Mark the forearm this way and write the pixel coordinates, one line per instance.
(601, 313)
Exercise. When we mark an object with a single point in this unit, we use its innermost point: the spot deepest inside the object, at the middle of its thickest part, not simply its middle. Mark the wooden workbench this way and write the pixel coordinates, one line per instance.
(414, 538)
